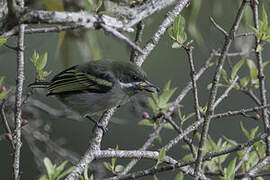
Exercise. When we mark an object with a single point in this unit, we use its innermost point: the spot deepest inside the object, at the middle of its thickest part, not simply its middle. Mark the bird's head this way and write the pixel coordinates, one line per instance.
(132, 78)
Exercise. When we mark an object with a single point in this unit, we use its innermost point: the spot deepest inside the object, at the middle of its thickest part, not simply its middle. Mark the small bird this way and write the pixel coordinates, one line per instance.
(97, 86)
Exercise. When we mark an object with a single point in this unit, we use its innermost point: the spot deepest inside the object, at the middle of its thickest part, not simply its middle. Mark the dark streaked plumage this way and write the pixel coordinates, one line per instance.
(97, 85)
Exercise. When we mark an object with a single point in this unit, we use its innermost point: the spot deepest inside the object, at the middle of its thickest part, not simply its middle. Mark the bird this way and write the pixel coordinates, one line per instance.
(96, 86)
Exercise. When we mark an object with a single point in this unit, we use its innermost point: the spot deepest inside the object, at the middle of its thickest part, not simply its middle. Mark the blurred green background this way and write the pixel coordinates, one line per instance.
(162, 65)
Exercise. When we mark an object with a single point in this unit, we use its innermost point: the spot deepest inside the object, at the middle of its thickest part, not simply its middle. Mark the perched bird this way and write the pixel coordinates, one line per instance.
(97, 86)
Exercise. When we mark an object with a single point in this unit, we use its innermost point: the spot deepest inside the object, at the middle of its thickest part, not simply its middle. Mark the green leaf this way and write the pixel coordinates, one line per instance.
(230, 170)
(165, 96)
(90, 5)
(259, 48)
(1, 80)
(43, 74)
(152, 104)
(181, 37)
(49, 167)
(253, 72)
(168, 126)
(92, 177)
(179, 176)
(34, 58)
(244, 130)
(265, 64)
(146, 122)
(85, 173)
(2, 41)
(161, 156)
(224, 75)
(176, 45)
(159, 138)
(119, 168)
(66, 172)
(155, 177)
(264, 16)
(99, 4)
(42, 61)
(259, 178)
(108, 166)
(44, 178)
(231, 142)
(253, 132)
(60, 168)
(236, 68)
(244, 81)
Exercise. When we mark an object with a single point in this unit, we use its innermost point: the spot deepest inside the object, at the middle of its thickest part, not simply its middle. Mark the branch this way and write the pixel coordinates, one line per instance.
(208, 156)
(146, 145)
(121, 37)
(213, 91)
(219, 27)
(18, 98)
(132, 154)
(239, 112)
(259, 167)
(225, 94)
(161, 30)
(188, 87)
(5, 122)
(254, 6)
(138, 40)
(93, 147)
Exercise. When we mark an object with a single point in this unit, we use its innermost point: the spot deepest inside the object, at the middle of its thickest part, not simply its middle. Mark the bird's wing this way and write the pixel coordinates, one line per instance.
(74, 80)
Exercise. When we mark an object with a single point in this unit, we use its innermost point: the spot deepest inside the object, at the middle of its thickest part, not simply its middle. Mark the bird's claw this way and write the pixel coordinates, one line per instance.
(99, 125)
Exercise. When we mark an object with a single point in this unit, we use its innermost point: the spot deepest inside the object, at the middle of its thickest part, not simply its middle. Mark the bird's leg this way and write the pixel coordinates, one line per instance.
(97, 124)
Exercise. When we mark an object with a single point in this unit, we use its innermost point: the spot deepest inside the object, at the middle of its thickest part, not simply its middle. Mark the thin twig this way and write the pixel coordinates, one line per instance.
(239, 112)
(5, 122)
(161, 30)
(120, 36)
(34, 30)
(254, 6)
(132, 154)
(138, 40)
(214, 88)
(208, 156)
(244, 158)
(194, 83)
(194, 88)
(167, 117)
(225, 94)
(219, 27)
(188, 87)
(252, 172)
(146, 145)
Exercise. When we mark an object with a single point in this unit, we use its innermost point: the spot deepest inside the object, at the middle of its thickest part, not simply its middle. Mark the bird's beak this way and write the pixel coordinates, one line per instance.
(147, 86)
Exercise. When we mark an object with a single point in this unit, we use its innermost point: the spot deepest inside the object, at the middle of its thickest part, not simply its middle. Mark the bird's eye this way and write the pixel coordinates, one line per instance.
(135, 78)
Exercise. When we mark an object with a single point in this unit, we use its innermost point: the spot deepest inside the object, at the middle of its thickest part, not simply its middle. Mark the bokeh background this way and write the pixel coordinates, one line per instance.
(162, 65)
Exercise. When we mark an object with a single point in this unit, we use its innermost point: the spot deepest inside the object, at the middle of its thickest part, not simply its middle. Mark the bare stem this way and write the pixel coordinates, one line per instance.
(213, 91)
(254, 5)
(161, 30)
(93, 147)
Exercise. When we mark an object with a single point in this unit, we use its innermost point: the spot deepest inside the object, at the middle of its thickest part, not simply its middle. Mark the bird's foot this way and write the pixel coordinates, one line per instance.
(97, 125)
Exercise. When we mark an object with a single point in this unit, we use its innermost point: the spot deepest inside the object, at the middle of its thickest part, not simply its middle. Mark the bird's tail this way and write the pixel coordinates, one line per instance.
(40, 84)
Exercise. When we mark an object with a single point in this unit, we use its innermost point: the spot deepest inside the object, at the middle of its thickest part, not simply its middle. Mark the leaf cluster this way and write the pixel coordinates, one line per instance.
(55, 172)
(40, 62)
(113, 167)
